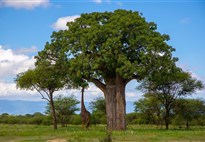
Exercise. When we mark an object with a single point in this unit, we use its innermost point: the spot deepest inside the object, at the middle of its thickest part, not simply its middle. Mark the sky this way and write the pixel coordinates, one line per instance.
(26, 25)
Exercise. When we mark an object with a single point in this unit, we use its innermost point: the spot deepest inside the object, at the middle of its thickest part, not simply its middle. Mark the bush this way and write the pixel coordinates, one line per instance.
(47, 120)
(75, 120)
(132, 118)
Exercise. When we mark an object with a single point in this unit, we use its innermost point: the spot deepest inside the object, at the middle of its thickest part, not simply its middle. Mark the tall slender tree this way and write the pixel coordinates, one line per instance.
(64, 107)
(189, 109)
(168, 84)
(46, 79)
(150, 109)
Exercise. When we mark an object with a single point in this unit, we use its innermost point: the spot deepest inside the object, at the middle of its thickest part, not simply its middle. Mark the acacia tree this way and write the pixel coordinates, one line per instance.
(168, 84)
(189, 109)
(98, 110)
(150, 108)
(98, 105)
(46, 79)
(64, 107)
(110, 49)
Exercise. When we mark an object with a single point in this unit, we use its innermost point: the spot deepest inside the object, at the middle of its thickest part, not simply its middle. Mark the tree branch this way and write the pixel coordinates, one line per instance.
(136, 77)
(99, 84)
(41, 93)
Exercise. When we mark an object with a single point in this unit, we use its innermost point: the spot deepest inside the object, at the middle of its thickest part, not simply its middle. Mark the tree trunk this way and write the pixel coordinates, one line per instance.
(53, 113)
(187, 124)
(115, 104)
(167, 119)
(158, 119)
(167, 124)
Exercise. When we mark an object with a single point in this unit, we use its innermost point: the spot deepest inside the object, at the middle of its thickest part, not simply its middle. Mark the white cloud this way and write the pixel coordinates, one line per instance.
(89, 94)
(61, 22)
(191, 70)
(119, 3)
(100, 1)
(8, 90)
(194, 75)
(25, 4)
(32, 49)
(12, 64)
(93, 92)
(133, 95)
(97, 1)
(184, 20)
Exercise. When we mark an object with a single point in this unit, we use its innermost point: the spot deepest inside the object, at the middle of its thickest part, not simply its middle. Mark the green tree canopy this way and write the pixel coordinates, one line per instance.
(150, 109)
(110, 49)
(168, 84)
(64, 107)
(98, 108)
(46, 78)
(98, 105)
(189, 109)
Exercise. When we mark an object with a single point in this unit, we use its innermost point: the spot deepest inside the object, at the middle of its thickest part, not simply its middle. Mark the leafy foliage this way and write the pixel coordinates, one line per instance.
(65, 107)
(109, 49)
(99, 45)
(189, 109)
(150, 108)
(167, 84)
(46, 78)
(98, 111)
(36, 118)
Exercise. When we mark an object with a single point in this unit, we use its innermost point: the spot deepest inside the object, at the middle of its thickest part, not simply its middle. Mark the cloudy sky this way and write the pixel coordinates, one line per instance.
(26, 25)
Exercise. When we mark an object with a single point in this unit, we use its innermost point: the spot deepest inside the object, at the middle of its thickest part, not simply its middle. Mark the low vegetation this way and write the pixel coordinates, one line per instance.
(20, 133)
(184, 113)
(131, 48)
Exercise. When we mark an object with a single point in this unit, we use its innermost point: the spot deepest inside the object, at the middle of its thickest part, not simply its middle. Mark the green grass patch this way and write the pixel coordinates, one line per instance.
(134, 133)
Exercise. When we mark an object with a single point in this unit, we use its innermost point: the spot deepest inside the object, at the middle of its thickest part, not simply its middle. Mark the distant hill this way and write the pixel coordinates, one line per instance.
(17, 107)
(21, 107)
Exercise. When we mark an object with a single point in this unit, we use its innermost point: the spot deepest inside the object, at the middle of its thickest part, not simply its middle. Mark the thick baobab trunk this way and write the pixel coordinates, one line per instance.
(114, 91)
(53, 114)
(115, 104)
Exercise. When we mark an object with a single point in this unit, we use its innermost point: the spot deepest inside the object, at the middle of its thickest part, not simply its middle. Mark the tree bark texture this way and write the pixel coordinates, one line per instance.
(114, 92)
(53, 113)
(115, 104)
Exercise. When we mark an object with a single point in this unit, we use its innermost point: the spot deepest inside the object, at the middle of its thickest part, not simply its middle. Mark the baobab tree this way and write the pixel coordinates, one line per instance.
(110, 49)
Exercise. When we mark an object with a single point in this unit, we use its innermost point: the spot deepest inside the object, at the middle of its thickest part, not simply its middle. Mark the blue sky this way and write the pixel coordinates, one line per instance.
(25, 26)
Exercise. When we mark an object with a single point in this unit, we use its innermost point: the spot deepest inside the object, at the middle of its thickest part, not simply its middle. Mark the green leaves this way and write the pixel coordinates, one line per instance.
(113, 42)
(102, 44)
(45, 77)
(25, 80)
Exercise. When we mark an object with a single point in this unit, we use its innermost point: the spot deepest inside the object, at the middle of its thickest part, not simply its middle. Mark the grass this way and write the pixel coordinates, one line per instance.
(134, 133)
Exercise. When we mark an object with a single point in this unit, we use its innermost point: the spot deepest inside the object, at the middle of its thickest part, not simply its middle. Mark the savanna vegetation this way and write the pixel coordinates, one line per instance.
(143, 125)
(110, 49)
(148, 110)
(98, 133)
